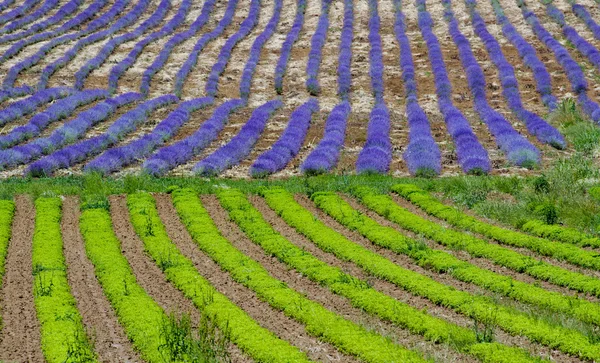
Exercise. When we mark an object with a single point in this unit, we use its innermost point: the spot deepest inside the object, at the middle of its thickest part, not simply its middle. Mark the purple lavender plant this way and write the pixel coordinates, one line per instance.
(345, 57)
(316, 49)
(30, 104)
(240, 145)
(289, 143)
(286, 48)
(169, 157)
(17, 12)
(27, 19)
(584, 15)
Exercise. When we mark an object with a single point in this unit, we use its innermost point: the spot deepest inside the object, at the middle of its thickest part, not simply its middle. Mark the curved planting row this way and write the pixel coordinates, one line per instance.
(289, 143)
(116, 158)
(122, 22)
(517, 148)
(62, 331)
(241, 144)
(57, 111)
(62, 13)
(95, 63)
(514, 322)
(6, 4)
(422, 154)
(6, 94)
(286, 48)
(18, 12)
(91, 27)
(361, 295)
(584, 15)
(168, 157)
(345, 58)
(212, 83)
(376, 155)
(500, 255)
(246, 333)
(320, 322)
(176, 39)
(472, 156)
(528, 56)
(30, 104)
(560, 233)
(75, 153)
(117, 71)
(510, 86)
(7, 213)
(192, 59)
(24, 20)
(316, 48)
(66, 134)
(259, 42)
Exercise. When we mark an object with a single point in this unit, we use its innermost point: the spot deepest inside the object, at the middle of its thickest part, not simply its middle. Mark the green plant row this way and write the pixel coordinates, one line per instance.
(258, 342)
(558, 250)
(320, 322)
(137, 312)
(582, 309)
(560, 233)
(357, 291)
(7, 212)
(480, 308)
(63, 335)
(477, 247)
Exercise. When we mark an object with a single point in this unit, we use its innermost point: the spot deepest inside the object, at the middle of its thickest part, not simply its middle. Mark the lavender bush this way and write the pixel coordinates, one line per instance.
(30, 104)
(286, 48)
(316, 48)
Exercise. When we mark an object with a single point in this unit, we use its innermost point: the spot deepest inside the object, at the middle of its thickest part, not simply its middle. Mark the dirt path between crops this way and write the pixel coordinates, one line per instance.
(268, 317)
(20, 337)
(110, 341)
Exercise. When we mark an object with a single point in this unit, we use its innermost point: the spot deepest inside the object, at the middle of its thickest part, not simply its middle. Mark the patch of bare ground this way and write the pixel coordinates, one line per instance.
(110, 341)
(406, 262)
(196, 80)
(426, 93)
(268, 317)
(20, 335)
(361, 97)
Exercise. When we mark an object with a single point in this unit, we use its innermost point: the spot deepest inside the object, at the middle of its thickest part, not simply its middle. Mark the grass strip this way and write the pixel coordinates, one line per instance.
(63, 335)
(320, 322)
(357, 291)
(137, 312)
(558, 250)
(480, 308)
(258, 342)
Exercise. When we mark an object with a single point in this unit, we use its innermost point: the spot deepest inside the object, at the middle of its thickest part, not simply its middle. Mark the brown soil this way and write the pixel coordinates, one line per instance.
(20, 336)
(110, 341)
(268, 317)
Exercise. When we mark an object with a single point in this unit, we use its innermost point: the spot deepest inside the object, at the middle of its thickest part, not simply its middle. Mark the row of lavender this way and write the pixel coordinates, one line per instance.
(376, 155)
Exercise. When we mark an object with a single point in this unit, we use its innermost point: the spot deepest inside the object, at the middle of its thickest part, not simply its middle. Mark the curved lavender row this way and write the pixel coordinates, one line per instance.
(259, 42)
(122, 22)
(345, 57)
(289, 143)
(75, 153)
(176, 39)
(30, 104)
(57, 111)
(66, 134)
(472, 157)
(422, 154)
(37, 14)
(582, 45)
(212, 83)
(93, 25)
(16, 92)
(517, 148)
(5, 4)
(15, 13)
(316, 49)
(240, 145)
(168, 157)
(286, 48)
(510, 86)
(325, 156)
(190, 63)
(569, 65)
(584, 15)
(116, 158)
(376, 155)
(117, 71)
(529, 56)
(64, 11)
(79, 19)
(95, 63)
